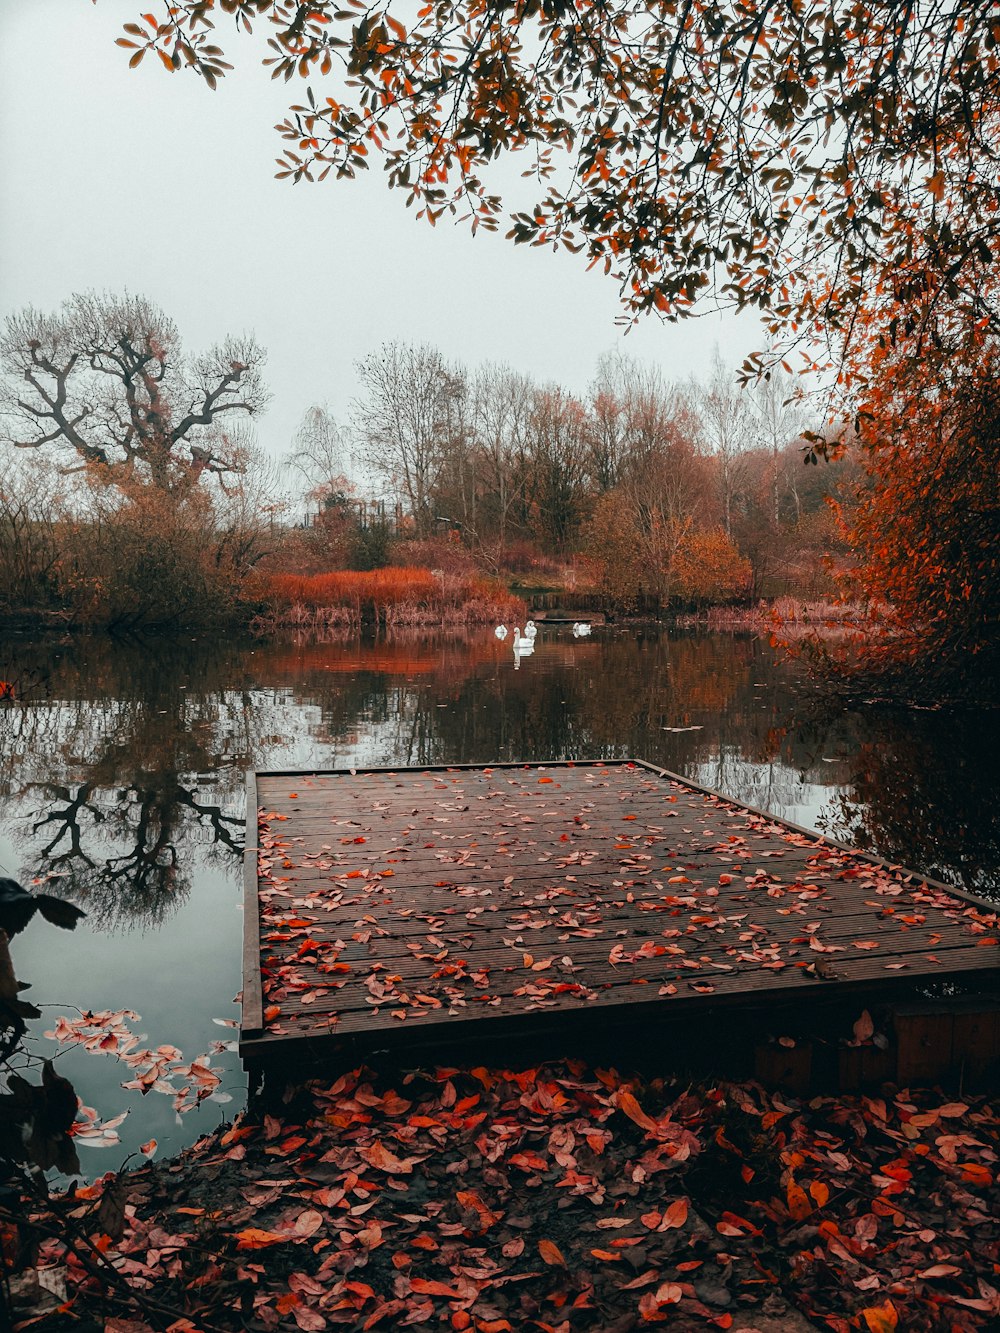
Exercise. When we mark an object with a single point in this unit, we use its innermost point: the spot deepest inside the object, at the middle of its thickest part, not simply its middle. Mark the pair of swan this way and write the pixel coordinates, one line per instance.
(521, 643)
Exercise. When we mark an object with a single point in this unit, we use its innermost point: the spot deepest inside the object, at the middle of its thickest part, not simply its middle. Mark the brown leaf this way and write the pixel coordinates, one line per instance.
(379, 1156)
(308, 1223)
(311, 1321)
(940, 1270)
(551, 1254)
(864, 1028)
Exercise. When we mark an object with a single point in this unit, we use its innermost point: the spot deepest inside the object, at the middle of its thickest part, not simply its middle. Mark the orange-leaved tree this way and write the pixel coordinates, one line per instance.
(924, 527)
(689, 147)
(709, 568)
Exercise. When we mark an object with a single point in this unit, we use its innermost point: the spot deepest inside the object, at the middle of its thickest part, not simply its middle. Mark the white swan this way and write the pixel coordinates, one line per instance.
(501, 632)
(581, 629)
(521, 644)
(530, 630)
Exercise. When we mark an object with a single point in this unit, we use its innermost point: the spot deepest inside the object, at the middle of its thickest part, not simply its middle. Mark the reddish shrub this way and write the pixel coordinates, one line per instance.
(396, 594)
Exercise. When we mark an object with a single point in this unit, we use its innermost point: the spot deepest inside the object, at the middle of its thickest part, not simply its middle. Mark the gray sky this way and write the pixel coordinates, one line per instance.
(114, 179)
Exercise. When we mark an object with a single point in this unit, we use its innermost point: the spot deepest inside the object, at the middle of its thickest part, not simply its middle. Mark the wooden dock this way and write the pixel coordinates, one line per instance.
(421, 910)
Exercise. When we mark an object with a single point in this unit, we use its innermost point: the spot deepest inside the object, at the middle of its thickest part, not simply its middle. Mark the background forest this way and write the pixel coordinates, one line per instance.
(133, 492)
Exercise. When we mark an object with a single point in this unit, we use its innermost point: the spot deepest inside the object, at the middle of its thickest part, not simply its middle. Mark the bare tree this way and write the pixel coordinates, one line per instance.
(558, 474)
(781, 418)
(403, 424)
(321, 454)
(729, 427)
(105, 380)
(501, 414)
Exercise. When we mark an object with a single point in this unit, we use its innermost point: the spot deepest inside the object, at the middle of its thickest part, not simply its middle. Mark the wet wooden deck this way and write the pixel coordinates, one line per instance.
(419, 909)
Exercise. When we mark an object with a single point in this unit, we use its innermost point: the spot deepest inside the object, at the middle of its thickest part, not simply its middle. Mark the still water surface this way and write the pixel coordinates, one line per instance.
(122, 772)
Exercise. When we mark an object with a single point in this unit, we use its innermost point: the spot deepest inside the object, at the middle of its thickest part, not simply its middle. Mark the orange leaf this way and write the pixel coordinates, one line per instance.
(976, 1173)
(382, 1159)
(628, 1104)
(880, 1318)
(551, 1254)
(426, 1287)
(255, 1239)
(820, 1193)
(470, 1199)
(798, 1202)
(675, 1216)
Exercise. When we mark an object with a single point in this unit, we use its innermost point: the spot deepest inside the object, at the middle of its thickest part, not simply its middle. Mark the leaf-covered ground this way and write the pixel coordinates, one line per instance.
(555, 1199)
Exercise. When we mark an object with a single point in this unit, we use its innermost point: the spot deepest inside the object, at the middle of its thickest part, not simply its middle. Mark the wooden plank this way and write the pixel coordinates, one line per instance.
(505, 975)
(788, 1067)
(923, 1043)
(626, 1006)
(830, 842)
(375, 930)
(253, 1001)
(976, 1038)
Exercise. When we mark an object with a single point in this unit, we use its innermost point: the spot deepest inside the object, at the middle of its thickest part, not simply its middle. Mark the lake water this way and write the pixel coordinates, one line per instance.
(122, 781)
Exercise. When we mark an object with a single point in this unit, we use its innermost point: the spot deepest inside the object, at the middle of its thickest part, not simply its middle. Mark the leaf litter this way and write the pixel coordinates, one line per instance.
(557, 1198)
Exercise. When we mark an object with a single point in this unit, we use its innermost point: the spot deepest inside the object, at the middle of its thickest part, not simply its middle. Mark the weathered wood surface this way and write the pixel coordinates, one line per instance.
(423, 906)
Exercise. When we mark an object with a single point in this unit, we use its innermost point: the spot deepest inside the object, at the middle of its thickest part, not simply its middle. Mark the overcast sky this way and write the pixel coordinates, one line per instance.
(114, 179)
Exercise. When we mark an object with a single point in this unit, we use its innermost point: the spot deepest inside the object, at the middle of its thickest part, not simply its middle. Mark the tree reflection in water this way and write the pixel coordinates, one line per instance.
(130, 769)
(924, 790)
(135, 755)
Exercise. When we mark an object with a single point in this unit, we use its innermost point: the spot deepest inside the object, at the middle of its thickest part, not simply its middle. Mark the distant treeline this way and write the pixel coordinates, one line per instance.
(131, 494)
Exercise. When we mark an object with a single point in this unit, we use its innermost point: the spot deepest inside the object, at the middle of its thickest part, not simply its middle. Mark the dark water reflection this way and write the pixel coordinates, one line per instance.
(121, 775)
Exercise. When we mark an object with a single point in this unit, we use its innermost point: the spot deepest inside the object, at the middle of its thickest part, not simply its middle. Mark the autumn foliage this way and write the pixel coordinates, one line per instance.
(925, 528)
(391, 595)
(714, 146)
(558, 1198)
(709, 568)
(350, 587)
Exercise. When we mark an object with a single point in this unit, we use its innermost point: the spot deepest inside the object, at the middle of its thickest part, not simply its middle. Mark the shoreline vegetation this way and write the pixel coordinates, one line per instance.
(413, 598)
(388, 598)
